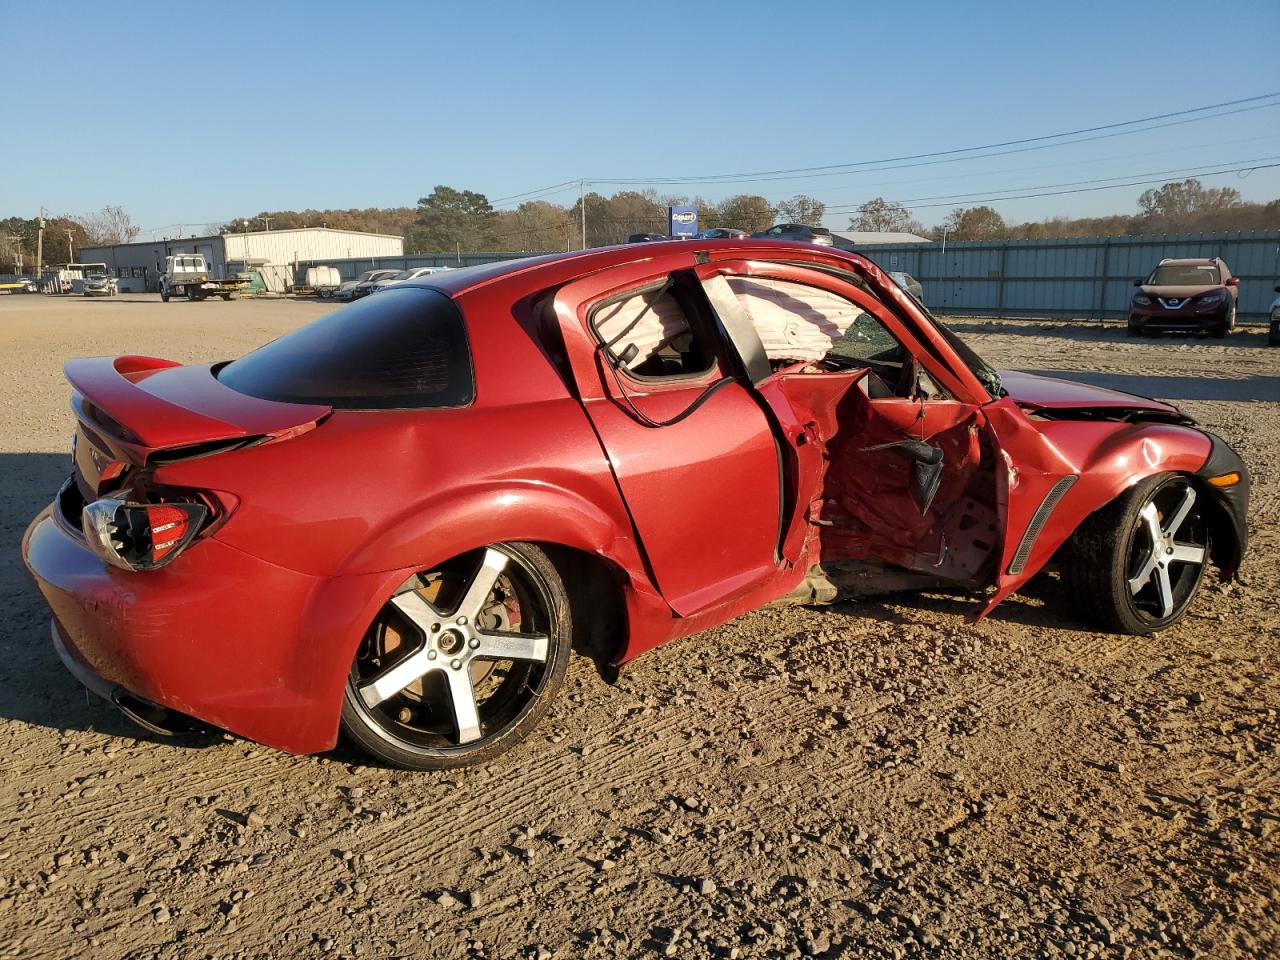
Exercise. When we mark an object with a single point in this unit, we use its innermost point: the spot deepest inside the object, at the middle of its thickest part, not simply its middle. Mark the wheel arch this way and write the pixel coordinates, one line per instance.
(611, 595)
(1105, 466)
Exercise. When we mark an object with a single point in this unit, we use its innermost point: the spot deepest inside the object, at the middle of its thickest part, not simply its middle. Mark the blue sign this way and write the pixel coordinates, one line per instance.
(683, 221)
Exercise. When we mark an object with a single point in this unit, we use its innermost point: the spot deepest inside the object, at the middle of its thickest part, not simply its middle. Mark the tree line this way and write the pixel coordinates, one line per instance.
(20, 239)
(449, 220)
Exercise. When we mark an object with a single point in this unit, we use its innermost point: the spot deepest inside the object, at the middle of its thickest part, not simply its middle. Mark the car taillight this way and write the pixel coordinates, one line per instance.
(141, 536)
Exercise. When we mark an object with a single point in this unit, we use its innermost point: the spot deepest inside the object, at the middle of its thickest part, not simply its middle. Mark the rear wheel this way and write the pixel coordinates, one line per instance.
(1139, 561)
(462, 662)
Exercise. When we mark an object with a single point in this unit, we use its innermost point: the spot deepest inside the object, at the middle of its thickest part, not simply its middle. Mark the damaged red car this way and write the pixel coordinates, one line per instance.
(397, 522)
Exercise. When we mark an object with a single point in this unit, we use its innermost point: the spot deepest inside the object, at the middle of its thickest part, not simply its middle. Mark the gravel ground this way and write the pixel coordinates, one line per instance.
(879, 780)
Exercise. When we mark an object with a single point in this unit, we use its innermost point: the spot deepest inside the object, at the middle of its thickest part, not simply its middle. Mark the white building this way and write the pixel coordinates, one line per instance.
(854, 239)
(138, 265)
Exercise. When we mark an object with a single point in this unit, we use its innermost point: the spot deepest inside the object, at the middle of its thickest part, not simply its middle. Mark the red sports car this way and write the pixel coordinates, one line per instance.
(397, 522)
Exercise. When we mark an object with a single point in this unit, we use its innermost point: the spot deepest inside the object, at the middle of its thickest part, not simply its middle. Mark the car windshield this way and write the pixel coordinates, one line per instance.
(985, 373)
(404, 348)
(1184, 275)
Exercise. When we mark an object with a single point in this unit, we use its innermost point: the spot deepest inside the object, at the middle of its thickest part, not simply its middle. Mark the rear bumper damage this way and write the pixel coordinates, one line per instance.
(260, 666)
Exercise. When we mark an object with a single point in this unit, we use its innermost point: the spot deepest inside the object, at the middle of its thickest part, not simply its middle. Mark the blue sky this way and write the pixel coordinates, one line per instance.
(356, 105)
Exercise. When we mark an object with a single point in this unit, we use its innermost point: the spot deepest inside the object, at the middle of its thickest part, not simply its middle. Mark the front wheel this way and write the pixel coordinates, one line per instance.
(462, 662)
(1224, 326)
(1140, 560)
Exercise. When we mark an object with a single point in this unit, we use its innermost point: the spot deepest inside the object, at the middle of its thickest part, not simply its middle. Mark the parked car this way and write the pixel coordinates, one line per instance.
(404, 276)
(908, 283)
(398, 520)
(359, 287)
(721, 233)
(1185, 296)
(1273, 330)
(99, 283)
(799, 232)
(646, 237)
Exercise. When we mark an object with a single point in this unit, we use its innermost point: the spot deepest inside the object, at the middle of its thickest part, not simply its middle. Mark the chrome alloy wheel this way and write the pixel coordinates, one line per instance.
(459, 655)
(1168, 548)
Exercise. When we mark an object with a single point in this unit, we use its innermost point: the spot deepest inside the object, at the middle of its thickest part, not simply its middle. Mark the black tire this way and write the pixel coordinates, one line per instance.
(417, 728)
(164, 295)
(1106, 551)
(226, 297)
(1222, 327)
(1135, 330)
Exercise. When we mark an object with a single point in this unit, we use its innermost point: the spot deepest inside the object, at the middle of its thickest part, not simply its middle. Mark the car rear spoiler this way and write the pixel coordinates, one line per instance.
(148, 404)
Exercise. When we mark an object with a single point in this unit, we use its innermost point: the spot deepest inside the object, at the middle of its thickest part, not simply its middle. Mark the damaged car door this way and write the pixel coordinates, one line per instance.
(692, 450)
(888, 458)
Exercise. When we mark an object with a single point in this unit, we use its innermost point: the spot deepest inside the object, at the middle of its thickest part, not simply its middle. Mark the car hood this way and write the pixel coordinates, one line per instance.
(1180, 291)
(1032, 390)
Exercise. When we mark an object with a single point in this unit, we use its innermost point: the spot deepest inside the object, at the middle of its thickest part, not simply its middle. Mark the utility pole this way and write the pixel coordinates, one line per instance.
(582, 202)
(71, 256)
(17, 252)
(40, 244)
(266, 222)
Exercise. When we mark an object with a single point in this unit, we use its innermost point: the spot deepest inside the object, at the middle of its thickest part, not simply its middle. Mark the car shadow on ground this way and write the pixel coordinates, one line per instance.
(1177, 388)
(1086, 331)
(1040, 603)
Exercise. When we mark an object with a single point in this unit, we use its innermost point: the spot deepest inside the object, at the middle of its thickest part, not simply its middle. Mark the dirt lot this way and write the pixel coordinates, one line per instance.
(880, 779)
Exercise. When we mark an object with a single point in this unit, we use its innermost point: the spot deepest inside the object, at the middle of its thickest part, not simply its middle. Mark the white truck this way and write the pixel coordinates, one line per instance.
(187, 274)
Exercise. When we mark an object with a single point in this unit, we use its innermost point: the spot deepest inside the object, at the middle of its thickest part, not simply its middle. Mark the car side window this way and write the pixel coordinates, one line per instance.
(655, 332)
(797, 322)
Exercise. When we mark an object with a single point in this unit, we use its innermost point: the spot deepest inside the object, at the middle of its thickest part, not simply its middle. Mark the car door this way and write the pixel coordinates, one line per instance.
(860, 403)
(692, 450)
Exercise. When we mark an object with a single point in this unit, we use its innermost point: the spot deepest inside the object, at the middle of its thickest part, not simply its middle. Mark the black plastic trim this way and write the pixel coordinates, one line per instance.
(1233, 501)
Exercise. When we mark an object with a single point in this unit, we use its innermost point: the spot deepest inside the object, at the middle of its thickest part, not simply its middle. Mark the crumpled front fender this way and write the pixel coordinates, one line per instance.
(1105, 458)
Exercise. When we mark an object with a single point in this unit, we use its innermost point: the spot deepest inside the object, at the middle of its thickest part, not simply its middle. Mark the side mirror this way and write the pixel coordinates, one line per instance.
(1138, 283)
(1233, 281)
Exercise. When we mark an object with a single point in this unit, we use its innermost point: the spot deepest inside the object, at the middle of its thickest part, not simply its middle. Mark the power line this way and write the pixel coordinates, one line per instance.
(1180, 171)
(861, 188)
(914, 205)
(955, 152)
(554, 188)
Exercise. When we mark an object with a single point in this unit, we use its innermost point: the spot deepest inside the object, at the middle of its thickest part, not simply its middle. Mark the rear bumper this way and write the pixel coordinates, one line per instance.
(221, 636)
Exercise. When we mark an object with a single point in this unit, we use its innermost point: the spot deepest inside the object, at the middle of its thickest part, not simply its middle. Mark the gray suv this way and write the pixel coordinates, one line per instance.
(800, 232)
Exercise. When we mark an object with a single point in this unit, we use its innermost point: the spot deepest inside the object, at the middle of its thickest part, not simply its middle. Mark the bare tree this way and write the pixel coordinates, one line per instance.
(879, 215)
(802, 209)
(1176, 206)
(109, 225)
(975, 223)
(746, 211)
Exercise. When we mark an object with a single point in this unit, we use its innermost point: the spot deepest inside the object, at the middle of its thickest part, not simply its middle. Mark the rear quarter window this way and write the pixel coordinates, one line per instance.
(403, 348)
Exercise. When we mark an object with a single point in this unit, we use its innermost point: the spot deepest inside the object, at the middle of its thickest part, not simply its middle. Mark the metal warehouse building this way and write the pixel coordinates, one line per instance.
(138, 265)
